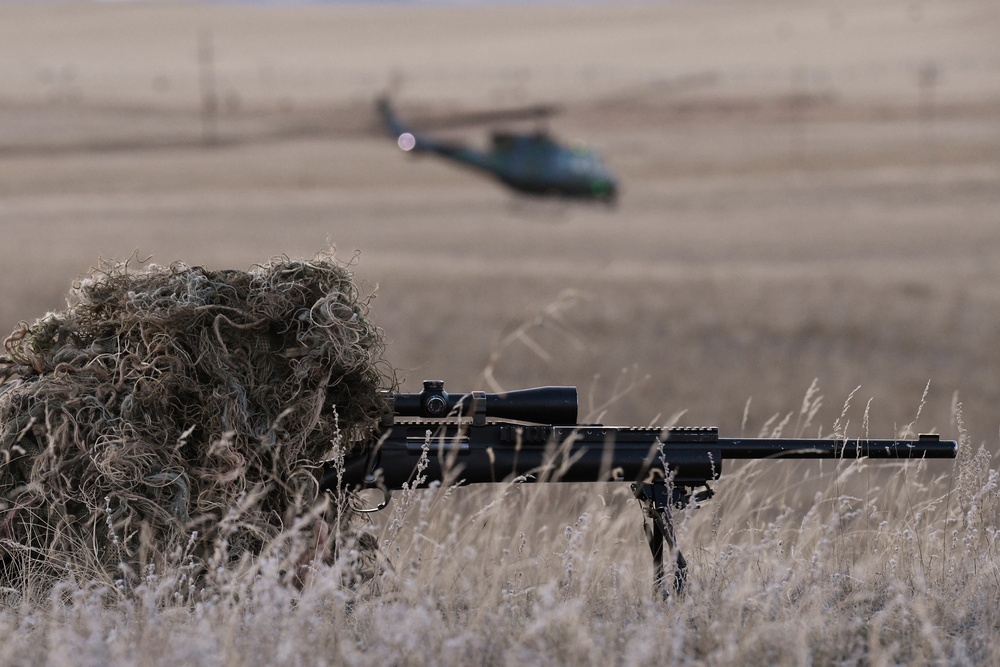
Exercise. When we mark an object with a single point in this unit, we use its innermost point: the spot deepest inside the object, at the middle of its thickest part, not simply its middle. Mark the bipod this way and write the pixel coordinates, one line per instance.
(657, 499)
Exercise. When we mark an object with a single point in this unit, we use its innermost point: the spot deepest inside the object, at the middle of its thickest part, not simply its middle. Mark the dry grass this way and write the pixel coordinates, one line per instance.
(848, 562)
(794, 211)
(835, 562)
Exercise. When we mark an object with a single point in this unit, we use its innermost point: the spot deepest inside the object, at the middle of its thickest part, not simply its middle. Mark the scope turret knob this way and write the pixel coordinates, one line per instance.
(435, 398)
(436, 405)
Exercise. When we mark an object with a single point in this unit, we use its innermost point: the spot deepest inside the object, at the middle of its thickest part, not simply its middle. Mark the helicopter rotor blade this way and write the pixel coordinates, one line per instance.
(460, 119)
(430, 121)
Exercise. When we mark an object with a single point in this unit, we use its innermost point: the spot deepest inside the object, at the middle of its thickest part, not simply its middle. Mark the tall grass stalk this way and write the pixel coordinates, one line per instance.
(829, 562)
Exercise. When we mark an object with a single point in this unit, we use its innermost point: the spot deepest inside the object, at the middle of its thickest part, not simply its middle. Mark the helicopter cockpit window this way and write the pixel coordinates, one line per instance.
(581, 162)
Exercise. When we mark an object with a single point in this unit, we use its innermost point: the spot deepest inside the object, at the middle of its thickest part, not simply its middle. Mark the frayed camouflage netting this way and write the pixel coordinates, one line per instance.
(176, 410)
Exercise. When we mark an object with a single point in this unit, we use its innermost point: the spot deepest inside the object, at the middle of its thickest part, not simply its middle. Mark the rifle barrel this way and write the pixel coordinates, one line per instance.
(497, 451)
(925, 446)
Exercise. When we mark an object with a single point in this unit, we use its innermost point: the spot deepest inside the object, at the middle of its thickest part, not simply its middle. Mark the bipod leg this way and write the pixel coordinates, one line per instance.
(656, 500)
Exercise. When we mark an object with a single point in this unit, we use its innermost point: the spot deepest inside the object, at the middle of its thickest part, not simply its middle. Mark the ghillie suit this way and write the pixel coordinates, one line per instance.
(172, 412)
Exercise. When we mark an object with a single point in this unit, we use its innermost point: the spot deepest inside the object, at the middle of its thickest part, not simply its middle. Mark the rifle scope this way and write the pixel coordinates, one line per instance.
(540, 405)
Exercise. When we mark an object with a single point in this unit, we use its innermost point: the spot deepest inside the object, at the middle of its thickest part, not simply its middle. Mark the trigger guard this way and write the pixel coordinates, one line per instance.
(386, 497)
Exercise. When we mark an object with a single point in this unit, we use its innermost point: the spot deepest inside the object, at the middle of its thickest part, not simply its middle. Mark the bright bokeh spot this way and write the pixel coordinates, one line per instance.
(407, 141)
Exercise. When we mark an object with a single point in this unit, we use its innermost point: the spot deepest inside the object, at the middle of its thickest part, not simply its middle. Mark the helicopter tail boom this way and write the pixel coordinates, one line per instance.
(404, 135)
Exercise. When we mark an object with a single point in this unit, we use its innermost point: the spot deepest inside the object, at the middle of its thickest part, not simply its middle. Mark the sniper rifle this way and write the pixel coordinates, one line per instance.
(532, 435)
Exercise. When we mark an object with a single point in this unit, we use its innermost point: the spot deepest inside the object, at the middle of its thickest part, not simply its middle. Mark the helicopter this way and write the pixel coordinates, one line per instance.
(528, 163)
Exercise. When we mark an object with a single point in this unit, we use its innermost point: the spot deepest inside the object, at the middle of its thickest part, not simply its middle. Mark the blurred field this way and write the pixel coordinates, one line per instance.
(811, 192)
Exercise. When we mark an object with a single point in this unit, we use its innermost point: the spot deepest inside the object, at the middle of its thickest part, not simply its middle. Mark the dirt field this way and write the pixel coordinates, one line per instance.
(809, 193)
